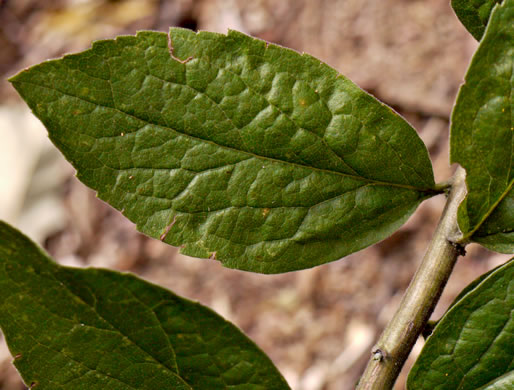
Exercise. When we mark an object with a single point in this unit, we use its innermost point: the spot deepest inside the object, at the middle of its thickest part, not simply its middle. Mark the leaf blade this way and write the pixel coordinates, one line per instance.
(474, 15)
(98, 329)
(481, 136)
(472, 344)
(237, 153)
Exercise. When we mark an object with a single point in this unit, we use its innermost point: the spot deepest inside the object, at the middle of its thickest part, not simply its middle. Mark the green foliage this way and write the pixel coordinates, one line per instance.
(92, 329)
(471, 347)
(482, 137)
(233, 149)
(474, 14)
(269, 161)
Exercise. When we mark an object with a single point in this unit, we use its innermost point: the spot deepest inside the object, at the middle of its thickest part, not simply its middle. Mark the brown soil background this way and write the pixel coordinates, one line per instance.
(317, 325)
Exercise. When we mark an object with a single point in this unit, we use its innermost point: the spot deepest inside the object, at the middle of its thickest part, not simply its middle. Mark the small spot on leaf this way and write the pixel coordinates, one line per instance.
(168, 228)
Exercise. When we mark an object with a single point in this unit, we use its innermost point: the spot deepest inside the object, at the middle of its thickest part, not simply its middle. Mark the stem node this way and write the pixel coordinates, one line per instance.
(378, 354)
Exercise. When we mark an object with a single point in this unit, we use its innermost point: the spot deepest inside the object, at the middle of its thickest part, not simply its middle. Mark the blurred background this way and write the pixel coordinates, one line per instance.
(317, 325)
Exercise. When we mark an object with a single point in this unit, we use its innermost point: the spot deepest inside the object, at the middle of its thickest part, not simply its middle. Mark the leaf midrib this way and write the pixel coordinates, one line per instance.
(509, 187)
(468, 235)
(266, 158)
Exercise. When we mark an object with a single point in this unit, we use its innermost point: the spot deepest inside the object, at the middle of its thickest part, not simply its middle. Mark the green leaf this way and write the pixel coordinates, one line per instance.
(472, 346)
(474, 14)
(233, 149)
(77, 329)
(482, 136)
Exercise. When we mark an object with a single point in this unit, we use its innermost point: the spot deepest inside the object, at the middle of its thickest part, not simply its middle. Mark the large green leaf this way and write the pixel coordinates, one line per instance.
(482, 136)
(71, 328)
(472, 346)
(233, 149)
(474, 14)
